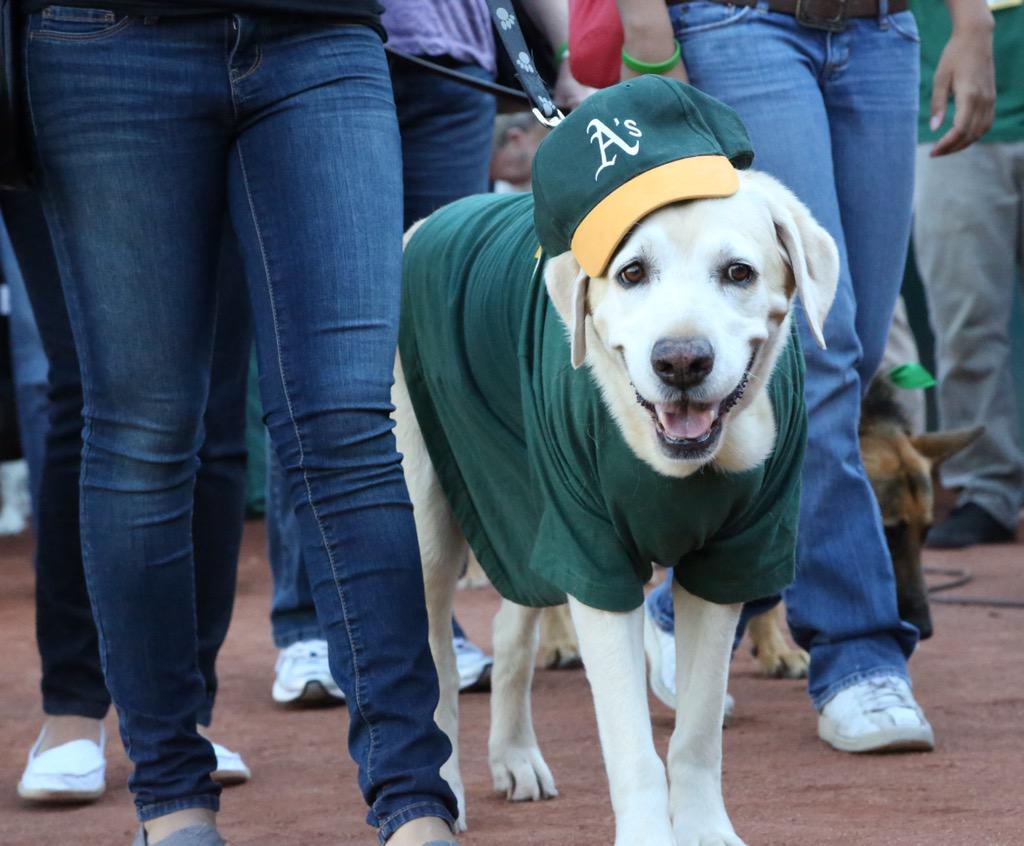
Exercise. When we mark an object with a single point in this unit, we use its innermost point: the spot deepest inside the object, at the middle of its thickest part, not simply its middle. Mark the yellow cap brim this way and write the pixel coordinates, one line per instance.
(602, 230)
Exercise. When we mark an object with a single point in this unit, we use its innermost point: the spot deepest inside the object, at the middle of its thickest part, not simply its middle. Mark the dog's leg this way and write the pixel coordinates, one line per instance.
(776, 658)
(704, 635)
(612, 645)
(559, 648)
(443, 551)
(517, 766)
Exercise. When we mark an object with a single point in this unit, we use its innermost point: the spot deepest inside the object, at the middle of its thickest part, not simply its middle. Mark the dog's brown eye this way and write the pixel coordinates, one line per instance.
(633, 274)
(740, 273)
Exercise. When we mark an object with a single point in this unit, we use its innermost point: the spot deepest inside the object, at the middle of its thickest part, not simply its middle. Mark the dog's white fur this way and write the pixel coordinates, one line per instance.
(613, 329)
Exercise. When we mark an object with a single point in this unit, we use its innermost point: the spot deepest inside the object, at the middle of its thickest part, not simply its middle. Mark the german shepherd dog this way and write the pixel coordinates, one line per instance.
(899, 465)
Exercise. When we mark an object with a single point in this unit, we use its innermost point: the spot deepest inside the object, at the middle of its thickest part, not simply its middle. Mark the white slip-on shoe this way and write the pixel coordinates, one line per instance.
(660, 648)
(474, 665)
(302, 675)
(231, 769)
(71, 772)
(876, 715)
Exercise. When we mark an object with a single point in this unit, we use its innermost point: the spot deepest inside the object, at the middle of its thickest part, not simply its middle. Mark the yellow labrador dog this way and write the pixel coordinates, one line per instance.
(766, 242)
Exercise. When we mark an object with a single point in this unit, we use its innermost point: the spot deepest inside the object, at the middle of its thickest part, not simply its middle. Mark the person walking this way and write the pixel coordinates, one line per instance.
(969, 240)
(67, 762)
(278, 114)
(445, 129)
(829, 97)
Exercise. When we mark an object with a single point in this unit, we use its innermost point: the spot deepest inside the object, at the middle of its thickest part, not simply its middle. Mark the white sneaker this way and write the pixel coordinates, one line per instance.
(302, 675)
(875, 715)
(231, 769)
(71, 772)
(474, 665)
(660, 648)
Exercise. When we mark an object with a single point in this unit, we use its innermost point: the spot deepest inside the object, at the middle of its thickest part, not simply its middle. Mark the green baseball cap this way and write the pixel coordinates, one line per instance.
(625, 152)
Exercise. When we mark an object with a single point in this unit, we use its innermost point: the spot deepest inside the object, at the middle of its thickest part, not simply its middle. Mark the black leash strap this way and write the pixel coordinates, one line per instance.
(507, 26)
(509, 99)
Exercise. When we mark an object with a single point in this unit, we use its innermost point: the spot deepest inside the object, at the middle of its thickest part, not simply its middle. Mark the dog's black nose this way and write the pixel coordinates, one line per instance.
(683, 362)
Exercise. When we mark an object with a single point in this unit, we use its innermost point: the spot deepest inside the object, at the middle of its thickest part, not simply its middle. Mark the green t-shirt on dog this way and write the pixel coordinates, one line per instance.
(540, 479)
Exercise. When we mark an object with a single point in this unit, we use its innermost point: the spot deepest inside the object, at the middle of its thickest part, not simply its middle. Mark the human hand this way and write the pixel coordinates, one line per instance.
(966, 70)
(568, 92)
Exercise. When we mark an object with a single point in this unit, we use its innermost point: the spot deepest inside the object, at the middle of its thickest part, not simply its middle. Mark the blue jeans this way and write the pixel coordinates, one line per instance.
(446, 133)
(29, 365)
(288, 126)
(834, 117)
(72, 680)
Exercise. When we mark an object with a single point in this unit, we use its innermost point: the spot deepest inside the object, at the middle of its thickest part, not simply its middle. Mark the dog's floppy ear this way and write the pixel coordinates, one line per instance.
(567, 286)
(810, 251)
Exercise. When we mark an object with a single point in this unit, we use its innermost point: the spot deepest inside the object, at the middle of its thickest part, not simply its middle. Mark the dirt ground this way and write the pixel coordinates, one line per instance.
(783, 786)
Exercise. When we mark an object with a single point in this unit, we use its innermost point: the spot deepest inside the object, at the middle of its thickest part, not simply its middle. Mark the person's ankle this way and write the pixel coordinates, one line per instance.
(64, 728)
(421, 830)
(161, 827)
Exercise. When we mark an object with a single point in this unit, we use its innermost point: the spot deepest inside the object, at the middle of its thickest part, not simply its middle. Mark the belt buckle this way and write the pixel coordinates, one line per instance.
(807, 15)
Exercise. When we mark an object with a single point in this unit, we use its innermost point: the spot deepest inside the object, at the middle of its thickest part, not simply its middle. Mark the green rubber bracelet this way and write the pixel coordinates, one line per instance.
(643, 67)
(561, 52)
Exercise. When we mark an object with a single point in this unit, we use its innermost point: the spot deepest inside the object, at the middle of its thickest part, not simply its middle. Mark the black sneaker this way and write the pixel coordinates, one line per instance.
(967, 525)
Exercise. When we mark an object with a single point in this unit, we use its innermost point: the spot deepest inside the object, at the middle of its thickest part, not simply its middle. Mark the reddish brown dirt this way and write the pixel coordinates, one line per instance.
(783, 786)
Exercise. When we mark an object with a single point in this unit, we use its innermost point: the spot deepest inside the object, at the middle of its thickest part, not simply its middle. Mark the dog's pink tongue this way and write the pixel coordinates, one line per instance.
(683, 420)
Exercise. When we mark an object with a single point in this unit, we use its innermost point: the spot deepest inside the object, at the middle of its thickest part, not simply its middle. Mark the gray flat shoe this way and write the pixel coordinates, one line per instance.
(193, 835)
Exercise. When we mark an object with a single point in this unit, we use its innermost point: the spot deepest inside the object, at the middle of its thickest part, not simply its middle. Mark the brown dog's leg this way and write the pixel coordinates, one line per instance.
(776, 658)
(559, 649)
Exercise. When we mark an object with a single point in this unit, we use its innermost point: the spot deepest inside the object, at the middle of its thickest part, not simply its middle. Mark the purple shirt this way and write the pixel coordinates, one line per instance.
(457, 28)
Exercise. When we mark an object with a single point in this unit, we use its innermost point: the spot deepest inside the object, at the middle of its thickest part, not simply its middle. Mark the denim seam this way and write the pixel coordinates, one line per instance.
(255, 67)
(393, 821)
(734, 17)
(159, 809)
(298, 636)
(357, 676)
(232, 38)
(78, 15)
(85, 37)
(838, 687)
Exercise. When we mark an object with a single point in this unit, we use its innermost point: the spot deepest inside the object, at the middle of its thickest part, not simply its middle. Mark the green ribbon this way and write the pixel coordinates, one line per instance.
(911, 376)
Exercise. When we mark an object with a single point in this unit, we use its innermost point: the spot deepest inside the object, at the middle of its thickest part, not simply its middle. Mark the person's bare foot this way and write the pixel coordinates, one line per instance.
(162, 827)
(420, 831)
(63, 729)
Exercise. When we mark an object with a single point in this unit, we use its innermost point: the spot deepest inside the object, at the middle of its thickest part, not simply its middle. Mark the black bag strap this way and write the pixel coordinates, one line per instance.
(506, 24)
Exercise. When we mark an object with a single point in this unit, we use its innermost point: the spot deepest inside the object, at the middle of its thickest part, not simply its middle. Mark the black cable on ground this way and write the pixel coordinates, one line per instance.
(959, 578)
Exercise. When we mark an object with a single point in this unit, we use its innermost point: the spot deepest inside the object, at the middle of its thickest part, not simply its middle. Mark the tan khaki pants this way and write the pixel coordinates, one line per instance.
(968, 235)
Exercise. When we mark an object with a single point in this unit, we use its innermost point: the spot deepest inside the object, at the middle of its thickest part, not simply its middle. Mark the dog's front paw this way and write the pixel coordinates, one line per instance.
(521, 773)
(783, 664)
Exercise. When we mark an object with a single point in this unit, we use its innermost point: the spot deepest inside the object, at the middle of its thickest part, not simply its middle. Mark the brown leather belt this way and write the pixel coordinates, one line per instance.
(830, 15)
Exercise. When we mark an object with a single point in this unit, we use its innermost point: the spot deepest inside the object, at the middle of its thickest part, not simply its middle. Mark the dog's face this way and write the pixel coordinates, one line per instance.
(899, 467)
(685, 326)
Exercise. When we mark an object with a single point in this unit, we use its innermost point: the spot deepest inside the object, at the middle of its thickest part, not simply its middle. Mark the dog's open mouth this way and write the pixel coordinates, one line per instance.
(688, 429)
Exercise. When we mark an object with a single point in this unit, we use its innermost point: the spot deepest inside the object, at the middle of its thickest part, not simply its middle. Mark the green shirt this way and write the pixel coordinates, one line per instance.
(935, 26)
(552, 499)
